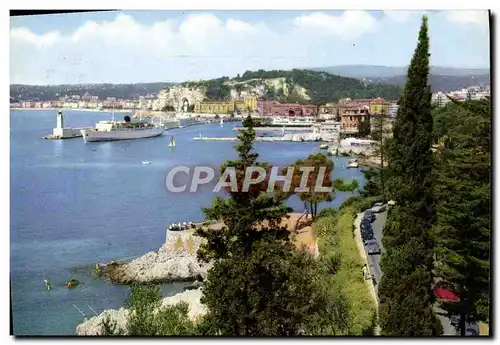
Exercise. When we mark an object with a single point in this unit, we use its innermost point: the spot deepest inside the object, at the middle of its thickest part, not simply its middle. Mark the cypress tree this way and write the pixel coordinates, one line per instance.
(463, 208)
(405, 287)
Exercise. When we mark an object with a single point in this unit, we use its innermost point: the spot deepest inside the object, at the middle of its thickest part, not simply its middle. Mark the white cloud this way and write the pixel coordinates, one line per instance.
(348, 25)
(478, 17)
(205, 46)
(24, 34)
(403, 16)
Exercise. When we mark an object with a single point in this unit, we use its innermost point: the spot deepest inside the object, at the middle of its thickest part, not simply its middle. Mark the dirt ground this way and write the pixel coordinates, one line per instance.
(304, 238)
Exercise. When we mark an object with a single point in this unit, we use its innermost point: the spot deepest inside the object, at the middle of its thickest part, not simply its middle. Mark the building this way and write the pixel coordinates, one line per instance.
(440, 99)
(226, 107)
(380, 106)
(329, 111)
(352, 115)
(275, 108)
(393, 110)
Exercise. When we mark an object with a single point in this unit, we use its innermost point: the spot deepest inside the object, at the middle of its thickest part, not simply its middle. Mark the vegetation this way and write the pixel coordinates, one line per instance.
(147, 316)
(259, 284)
(364, 128)
(343, 275)
(407, 262)
(462, 191)
(312, 196)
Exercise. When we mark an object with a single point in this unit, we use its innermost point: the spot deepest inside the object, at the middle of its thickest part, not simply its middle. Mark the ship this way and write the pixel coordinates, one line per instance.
(123, 130)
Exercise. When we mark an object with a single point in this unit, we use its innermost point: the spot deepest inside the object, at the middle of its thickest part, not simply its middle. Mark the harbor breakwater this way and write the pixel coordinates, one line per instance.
(297, 137)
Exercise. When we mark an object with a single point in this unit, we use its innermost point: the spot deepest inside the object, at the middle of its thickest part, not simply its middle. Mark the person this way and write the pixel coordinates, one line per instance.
(47, 284)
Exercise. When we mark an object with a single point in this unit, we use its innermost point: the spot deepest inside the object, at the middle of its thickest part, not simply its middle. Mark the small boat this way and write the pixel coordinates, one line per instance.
(172, 142)
(323, 146)
(353, 164)
(72, 283)
(221, 122)
(146, 162)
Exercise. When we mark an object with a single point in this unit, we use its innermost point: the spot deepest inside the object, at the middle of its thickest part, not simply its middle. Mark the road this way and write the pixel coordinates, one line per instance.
(374, 264)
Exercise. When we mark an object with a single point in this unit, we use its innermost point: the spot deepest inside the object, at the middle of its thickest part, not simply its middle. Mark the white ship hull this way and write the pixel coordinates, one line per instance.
(93, 135)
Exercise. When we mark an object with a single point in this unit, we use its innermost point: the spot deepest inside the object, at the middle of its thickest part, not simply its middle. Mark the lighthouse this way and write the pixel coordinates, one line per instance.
(60, 120)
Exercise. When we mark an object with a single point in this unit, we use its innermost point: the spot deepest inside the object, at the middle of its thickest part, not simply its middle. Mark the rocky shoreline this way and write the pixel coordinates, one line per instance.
(120, 316)
(176, 260)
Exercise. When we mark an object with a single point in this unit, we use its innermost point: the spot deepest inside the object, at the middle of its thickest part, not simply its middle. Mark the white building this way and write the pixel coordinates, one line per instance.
(440, 99)
(393, 110)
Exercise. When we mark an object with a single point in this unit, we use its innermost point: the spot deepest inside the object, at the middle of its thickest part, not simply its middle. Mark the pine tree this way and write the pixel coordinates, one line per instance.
(259, 283)
(405, 288)
(243, 211)
(462, 192)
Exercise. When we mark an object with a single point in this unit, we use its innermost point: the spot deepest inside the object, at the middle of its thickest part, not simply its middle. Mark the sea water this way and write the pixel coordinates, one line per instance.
(75, 204)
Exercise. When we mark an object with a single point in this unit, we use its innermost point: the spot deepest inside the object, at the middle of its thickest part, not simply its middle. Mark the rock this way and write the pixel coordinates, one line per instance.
(195, 285)
(175, 261)
(191, 297)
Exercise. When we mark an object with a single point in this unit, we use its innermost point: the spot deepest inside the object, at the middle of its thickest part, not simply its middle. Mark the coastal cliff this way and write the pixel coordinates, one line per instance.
(175, 261)
(120, 316)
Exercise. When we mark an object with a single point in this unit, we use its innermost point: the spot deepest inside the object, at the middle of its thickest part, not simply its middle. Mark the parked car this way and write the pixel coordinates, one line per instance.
(369, 215)
(373, 247)
(378, 209)
(379, 204)
(471, 329)
(365, 224)
(367, 236)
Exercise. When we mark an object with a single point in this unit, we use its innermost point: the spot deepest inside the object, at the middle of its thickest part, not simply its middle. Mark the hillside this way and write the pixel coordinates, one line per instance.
(371, 71)
(444, 83)
(297, 85)
(53, 92)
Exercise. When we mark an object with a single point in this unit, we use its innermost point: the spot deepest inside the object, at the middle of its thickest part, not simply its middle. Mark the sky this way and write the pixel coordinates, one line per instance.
(161, 46)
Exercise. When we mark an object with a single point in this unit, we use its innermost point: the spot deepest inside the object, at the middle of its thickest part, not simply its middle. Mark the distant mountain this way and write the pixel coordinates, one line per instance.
(443, 83)
(20, 92)
(372, 71)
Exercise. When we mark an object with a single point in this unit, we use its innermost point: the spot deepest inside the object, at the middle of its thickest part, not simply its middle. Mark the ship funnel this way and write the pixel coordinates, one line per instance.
(127, 119)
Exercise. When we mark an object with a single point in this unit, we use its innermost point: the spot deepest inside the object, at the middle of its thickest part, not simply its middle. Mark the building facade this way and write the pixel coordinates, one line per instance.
(275, 108)
(226, 107)
(352, 114)
(380, 106)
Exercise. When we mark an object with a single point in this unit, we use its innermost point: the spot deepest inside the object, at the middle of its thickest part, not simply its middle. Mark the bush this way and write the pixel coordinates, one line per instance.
(328, 211)
(340, 255)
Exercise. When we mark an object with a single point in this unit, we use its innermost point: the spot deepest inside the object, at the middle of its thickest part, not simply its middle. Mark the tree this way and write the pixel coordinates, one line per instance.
(408, 260)
(243, 211)
(462, 191)
(275, 291)
(259, 283)
(364, 128)
(381, 131)
(147, 316)
(312, 197)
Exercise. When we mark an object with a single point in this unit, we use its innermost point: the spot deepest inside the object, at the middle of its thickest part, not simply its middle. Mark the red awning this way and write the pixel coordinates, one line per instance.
(441, 293)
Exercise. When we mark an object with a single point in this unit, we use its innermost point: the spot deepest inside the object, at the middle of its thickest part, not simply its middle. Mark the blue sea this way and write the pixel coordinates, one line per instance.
(75, 204)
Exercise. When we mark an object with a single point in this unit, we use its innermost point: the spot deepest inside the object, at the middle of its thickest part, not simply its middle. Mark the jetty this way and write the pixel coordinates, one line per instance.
(303, 129)
(61, 132)
(268, 139)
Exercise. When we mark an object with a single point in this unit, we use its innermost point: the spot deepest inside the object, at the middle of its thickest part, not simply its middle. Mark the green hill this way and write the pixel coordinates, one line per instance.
(297, 85)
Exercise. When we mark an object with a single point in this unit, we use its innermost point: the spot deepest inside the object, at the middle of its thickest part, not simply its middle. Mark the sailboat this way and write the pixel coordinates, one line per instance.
(221, 122)
(172, 142)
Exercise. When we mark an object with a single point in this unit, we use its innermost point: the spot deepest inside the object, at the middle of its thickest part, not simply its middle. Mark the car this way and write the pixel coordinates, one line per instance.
(373, 247)
(366, 227)
(369, 215)
(379, 204)
(365, 224)
(378, 209)
(368, 237)
(471, 329)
